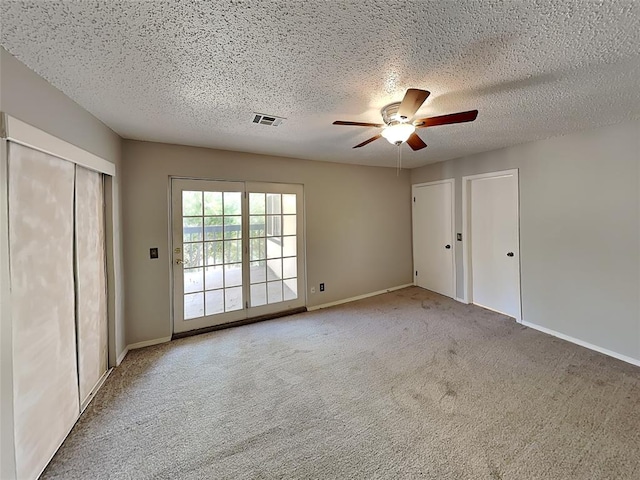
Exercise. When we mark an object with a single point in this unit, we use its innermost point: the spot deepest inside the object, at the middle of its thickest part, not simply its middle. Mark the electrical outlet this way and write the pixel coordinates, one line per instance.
(322, 287)
(313, 289)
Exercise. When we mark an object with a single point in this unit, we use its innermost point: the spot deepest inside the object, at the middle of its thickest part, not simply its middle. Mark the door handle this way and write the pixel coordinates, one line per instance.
(447, 247)
(179, 261)
(510, 254)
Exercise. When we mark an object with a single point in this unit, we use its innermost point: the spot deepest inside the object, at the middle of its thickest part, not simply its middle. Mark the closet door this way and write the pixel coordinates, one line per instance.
(41, 189)
(91, 288)
(495, 255)
(433, 252)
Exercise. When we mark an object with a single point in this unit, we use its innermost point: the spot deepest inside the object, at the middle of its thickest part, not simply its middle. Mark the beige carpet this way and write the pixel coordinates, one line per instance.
(404, 385)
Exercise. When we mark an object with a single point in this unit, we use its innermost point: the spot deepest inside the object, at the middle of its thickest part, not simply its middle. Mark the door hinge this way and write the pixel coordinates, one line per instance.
(416, 273)
(246, 304)
(245, 194)
(414, 199)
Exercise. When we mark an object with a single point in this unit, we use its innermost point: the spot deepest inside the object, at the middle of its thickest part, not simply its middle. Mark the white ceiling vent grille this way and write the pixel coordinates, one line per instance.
(270, 120)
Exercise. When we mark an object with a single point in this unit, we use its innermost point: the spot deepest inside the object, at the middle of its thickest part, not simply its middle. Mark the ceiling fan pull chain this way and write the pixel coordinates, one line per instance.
(399, 162)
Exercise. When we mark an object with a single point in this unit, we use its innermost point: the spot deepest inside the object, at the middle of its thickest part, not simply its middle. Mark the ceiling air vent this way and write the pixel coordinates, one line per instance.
(270, 120)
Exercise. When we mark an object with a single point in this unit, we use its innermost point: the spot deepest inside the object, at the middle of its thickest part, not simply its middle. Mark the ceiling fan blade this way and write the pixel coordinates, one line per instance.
(415, 142)
(366, 142)
(412, 101)
(358, 124)
(449, 119)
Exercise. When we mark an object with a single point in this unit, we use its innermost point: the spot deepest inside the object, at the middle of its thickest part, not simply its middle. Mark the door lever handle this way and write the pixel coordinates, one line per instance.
(179, 261)
(510, 254)
(447, 247)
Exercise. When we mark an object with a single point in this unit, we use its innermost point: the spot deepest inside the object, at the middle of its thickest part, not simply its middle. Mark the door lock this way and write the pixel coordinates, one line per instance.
(510, 254)
(447, 247)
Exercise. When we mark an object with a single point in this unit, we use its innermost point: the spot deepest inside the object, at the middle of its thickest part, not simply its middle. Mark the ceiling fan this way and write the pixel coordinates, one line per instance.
(398, 127)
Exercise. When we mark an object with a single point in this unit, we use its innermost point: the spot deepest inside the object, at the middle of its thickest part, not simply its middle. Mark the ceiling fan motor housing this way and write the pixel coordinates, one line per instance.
(390, 114)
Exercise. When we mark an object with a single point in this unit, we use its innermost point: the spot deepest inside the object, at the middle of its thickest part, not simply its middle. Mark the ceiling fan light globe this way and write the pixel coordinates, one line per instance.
(398, 133)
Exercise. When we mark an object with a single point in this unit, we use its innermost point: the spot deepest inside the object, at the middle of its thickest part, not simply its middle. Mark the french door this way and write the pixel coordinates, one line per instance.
(238, 251)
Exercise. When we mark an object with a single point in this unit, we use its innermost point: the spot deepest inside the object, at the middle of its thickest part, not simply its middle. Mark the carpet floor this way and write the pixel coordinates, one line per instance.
(407, 384)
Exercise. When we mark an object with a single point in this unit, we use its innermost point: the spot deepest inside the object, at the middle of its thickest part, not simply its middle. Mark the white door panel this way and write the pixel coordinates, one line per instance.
(91, 282)
(433, 248)
(45, 371)
(495, 256)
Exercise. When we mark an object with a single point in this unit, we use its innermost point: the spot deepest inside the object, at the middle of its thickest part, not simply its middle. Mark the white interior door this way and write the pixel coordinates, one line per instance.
(433, 245)
(495, 252)
(238, 251)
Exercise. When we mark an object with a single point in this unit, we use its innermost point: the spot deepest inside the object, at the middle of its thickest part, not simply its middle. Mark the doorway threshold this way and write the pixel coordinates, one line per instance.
(238, 323)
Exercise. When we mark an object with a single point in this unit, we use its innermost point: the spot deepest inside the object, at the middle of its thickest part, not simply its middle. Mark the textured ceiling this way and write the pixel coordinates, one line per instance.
(192, 72)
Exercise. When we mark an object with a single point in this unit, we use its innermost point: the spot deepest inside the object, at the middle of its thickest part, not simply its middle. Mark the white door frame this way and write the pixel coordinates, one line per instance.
(451, 181)
(466, 228)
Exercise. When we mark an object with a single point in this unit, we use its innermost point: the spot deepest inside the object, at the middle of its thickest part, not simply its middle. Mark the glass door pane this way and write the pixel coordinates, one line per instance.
(273, 273)
(208, 253)
(212, 269)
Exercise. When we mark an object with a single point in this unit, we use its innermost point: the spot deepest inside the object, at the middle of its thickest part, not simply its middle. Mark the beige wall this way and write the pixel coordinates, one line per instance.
(30, 98)
(579, 231)
(358, 224)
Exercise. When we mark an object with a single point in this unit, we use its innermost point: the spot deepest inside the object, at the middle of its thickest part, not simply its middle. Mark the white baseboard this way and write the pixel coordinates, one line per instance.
(582, 343)
(148, 343)
(359, 297)
(461, 300)
(122, 355)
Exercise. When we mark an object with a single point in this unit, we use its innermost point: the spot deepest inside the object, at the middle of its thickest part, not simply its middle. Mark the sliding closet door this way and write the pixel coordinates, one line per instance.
(91, 288)
(45, 376)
